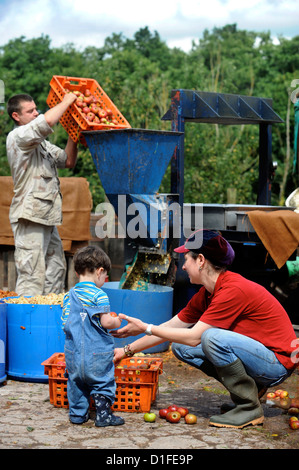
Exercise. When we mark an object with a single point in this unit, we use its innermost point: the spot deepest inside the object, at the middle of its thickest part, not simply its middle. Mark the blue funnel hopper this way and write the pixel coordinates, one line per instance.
(131, 161)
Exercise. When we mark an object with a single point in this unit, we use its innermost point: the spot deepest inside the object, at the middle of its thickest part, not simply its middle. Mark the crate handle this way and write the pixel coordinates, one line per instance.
(75, 81)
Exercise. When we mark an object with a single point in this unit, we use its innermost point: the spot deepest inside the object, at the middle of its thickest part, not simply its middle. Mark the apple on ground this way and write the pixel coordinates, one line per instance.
(294, 424)
(173, 416)
(183, 411)
(190, 418)
(293, 410)
(271, 395)
(149, 417)
(173, 408)
(278, 392)
(163, 412)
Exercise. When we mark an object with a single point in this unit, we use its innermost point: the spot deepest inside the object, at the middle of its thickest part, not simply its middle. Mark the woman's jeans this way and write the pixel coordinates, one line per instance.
(220, 348)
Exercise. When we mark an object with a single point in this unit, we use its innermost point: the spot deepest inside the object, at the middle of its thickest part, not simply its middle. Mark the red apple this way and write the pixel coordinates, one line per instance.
(102, 113)
(76, 92)
(86, 109)
(109, 112)
(173, 408)
(183, 411)
(163, 412)
(190, 418)
(284, 394)
(294, 424)
(97, 120)
(278, 392)
(87, 92)
(173, 416)
(90, 116)
(271, 395)
(115, 121)
(79, 102)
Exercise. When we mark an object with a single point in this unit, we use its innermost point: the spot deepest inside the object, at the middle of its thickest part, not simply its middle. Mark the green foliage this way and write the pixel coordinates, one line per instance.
(138, 74)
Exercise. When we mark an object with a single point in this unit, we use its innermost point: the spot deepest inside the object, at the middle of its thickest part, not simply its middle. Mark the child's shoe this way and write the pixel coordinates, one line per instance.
(104, 416)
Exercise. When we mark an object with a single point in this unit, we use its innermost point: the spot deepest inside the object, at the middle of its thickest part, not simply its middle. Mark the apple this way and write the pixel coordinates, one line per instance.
(183, 411)
(278, 392)
(86, 109)
(90, 116)
(173, 416)
(113, 314)
(190, 418)
(271, 395)
(284, 394)
(109, 112)
(173, 408)
(97, 120)
(87, 92)
(102, 113)
(115, 122)
(294, 424)
(79, 102)
(163, 412)
(293, 418)
(293, 410)
(149, 417)
(76, 92)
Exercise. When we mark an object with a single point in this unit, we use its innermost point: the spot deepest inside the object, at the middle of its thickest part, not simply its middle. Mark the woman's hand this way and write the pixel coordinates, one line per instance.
(133, 328)
(119, 354)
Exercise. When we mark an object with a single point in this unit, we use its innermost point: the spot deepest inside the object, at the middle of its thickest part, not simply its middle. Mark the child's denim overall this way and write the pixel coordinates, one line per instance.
(89, 353)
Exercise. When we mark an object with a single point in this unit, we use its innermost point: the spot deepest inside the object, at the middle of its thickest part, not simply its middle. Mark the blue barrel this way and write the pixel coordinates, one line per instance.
(151, 306)
(34, 333)
(2, 341)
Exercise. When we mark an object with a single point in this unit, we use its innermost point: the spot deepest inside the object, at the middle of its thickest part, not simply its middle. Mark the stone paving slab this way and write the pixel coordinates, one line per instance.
(29, 421)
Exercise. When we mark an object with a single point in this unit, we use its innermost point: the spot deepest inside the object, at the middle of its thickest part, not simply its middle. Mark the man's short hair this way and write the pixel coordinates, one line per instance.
(14, 104)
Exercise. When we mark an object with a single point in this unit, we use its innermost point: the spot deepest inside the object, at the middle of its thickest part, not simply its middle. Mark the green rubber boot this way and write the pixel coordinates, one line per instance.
(244, 394)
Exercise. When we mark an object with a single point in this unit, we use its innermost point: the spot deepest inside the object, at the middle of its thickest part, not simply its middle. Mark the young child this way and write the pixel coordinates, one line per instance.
(89, 348)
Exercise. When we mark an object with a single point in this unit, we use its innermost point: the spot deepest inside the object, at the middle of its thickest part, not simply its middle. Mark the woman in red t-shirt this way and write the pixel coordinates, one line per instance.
(233, 329)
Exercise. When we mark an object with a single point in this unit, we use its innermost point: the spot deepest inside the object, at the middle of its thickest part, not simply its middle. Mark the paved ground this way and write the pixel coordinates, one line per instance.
(29, 421)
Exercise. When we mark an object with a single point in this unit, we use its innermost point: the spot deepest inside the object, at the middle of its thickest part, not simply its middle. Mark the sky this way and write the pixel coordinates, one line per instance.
(177, 22)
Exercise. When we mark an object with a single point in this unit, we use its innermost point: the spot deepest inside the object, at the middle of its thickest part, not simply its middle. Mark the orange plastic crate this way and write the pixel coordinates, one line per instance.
(136, 382)
(73, 120)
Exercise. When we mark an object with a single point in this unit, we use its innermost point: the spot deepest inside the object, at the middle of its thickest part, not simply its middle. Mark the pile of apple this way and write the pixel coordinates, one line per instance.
(172, 414)
(91, 108)
(278, 394)
(292, 405)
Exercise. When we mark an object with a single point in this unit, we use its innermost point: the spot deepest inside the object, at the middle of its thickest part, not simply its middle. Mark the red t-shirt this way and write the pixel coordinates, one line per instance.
(245, 307)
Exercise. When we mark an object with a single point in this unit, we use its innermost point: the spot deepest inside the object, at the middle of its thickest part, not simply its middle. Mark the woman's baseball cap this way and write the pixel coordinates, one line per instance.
(211, 244)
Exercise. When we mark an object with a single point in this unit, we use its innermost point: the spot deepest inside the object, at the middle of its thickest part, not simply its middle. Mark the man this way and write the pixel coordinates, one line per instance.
(36, 207)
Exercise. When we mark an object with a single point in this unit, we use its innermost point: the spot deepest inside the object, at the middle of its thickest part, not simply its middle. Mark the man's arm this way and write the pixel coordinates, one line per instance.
(71, 150)
(53, 115)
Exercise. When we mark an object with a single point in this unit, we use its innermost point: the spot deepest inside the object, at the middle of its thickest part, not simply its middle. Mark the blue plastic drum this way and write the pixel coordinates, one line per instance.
(34, 333)
(151, 306)
(2, 341)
